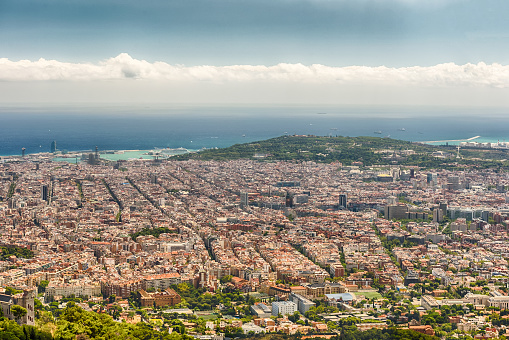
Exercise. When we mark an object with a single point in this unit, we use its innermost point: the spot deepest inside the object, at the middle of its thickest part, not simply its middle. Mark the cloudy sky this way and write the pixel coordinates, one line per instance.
(408, 52)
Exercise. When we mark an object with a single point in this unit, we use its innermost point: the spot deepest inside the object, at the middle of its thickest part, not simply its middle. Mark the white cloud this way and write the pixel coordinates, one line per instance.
(124, 67)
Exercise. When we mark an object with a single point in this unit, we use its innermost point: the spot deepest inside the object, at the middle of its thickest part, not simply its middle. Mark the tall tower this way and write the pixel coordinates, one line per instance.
(44, 192)
(289, 200)
(96, 153)
(342, 202)
(244, 199)
(153, 179)
(23, 152)
(53, 147)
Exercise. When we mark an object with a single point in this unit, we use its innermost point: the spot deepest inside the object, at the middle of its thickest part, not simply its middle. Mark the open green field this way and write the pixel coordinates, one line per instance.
(370, 295)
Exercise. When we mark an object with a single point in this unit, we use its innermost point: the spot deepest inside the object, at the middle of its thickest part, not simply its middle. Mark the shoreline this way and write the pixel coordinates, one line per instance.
(111, 155)
(451, 140)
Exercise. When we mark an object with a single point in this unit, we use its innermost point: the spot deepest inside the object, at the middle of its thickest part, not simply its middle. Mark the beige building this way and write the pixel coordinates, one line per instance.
(319, 290)
(428, 302)
(169, 297)
(25, 300)
(58, 287)
(501, 302)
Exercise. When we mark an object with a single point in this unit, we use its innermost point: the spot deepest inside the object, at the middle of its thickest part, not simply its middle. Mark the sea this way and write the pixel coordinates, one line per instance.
(117, 127)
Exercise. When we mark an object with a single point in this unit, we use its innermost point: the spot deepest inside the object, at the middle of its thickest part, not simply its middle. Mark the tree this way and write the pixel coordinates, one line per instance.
(10, 330)
(294, 317)
(178, 326)
(12, 291)
(226, 278)
(18, 312)
(41, 288)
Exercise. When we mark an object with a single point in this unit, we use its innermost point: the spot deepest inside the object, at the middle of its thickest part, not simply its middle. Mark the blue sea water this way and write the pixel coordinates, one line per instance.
(143, 128)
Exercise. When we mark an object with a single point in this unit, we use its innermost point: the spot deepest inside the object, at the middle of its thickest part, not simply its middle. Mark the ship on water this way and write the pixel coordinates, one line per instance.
(377, 132)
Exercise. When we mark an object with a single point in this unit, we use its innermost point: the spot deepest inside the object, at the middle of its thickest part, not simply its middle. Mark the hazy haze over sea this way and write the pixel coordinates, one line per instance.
(144, 128)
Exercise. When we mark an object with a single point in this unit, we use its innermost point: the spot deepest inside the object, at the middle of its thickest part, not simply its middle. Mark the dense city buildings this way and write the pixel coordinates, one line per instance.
(283, 233)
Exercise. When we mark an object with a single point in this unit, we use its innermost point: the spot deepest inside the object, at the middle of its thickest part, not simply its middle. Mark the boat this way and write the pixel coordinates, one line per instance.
(378, 132)
(402, 129)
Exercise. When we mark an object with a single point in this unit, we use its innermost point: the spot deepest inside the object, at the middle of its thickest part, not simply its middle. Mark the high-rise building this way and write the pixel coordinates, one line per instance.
(443, 207)
(438, 215)
(91, 159)
(53, 147)
(153, 179)
(342, 201)
(23, 152)
(44, 192)
(454, 182)
(397, 211)
(244, 199)
(485, 215)
(431, 178)
(11, 203)
(289, 200)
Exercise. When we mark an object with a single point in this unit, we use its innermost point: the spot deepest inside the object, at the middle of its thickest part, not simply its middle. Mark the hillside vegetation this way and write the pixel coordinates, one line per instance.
(368, 150)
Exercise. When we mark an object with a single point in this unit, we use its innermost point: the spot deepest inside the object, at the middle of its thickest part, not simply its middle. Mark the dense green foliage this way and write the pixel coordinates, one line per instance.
(76, 323)
(348, 333)
(303, 148)
(12, 291)
(18, 312)
(314, 312)
(152, 231)
(19, 252)
(10, 330)
(368, 150)
(390, 245)
(198, 298)
(12, 187)
(351, 333)
(80, 189)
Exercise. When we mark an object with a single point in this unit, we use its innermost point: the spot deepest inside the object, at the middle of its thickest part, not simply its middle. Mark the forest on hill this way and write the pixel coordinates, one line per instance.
(351, 150)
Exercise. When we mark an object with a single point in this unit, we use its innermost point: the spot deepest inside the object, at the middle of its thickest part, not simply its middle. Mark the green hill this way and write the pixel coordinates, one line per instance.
(368, 150)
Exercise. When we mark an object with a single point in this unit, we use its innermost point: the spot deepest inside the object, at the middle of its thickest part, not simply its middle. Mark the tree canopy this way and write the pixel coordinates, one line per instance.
(6, 252)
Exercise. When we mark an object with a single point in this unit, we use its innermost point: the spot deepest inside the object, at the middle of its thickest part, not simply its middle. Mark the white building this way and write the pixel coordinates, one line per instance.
(283, 308)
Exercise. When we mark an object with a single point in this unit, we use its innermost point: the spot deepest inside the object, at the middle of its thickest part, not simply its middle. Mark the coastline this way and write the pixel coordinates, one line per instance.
(111, 155)
(451, 140)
